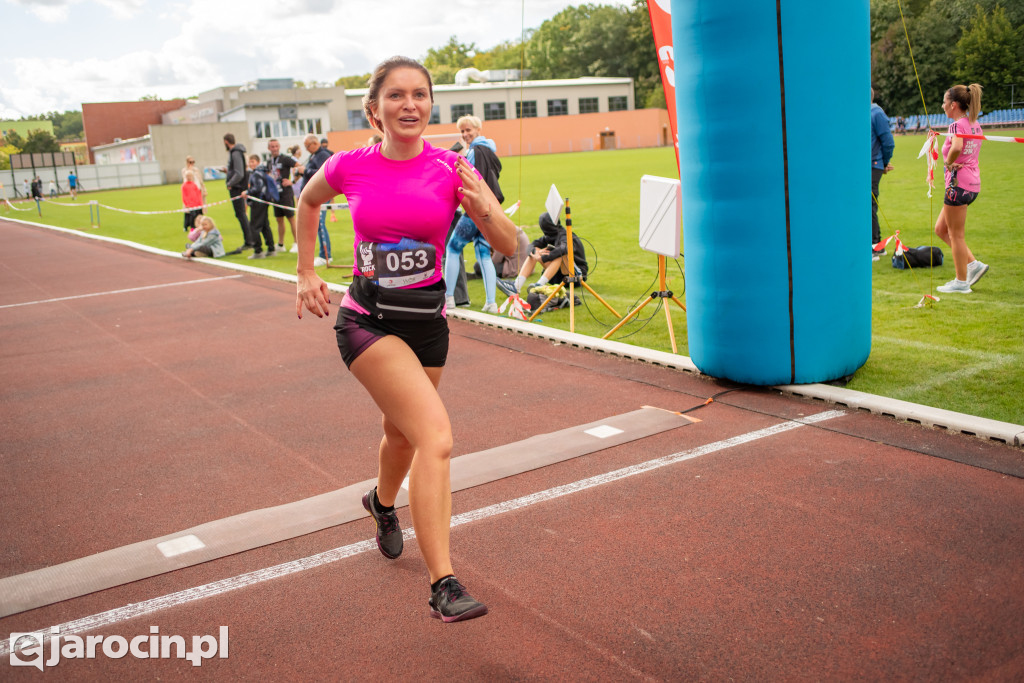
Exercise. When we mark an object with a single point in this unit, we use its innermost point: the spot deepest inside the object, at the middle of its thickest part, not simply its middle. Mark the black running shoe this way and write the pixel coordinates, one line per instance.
(450, 602)
(507, 287)
(389, 534)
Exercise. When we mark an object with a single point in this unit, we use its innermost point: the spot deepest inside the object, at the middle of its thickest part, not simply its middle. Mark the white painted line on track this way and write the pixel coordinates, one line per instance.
(132, 611)
(122, 291)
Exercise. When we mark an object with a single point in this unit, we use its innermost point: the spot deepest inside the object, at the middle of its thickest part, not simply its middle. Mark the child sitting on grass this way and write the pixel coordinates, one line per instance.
(205, 240)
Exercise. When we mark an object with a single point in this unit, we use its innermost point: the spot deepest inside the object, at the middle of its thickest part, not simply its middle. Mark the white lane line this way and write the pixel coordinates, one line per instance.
(114, 616)
(121, 291)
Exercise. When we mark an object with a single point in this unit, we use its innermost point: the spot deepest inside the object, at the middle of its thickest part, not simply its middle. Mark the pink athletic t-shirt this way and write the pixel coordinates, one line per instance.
(395, 200)
(968, 177)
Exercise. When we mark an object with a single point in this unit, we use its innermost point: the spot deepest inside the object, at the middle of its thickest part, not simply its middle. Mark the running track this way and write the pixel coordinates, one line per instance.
(744, 546)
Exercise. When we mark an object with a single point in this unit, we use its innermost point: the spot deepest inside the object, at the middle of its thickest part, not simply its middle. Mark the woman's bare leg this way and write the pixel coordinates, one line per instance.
(417, 441)
(951, 227)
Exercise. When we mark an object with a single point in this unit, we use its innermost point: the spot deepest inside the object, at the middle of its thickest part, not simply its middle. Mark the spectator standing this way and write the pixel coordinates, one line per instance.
(259, 223)
(279, 167)
(237, 181)
(52, 189)
(318, 155)
(882, 146)
(197, 173)
(481, 153)
(25, 188)
(191, 199)
(961, 103)
(37, 189)
(73, 184)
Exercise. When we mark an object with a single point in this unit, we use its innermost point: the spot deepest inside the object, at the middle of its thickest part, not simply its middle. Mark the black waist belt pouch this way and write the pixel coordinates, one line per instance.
(383, 303)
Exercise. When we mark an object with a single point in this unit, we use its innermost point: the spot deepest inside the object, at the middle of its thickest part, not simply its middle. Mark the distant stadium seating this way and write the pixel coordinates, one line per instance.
(999, 118)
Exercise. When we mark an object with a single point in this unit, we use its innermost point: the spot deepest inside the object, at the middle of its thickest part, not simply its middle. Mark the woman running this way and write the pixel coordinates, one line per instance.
(391, 326)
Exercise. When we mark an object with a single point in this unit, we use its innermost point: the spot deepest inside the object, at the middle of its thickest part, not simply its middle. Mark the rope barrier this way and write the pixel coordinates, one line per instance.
(341, 205)
(12, 206)
(994, 138)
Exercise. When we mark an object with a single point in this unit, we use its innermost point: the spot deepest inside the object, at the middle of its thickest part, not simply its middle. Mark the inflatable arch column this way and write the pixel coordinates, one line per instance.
(772, 102)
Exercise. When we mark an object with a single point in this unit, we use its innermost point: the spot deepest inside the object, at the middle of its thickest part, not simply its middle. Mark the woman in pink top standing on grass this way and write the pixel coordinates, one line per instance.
(391, 326)
(963, 183)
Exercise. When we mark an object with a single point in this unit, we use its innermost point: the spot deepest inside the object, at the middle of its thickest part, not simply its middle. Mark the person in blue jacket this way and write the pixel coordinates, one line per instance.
(882, 145)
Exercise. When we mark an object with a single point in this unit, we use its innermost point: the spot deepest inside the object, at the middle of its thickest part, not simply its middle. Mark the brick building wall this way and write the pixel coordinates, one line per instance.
(102, 122)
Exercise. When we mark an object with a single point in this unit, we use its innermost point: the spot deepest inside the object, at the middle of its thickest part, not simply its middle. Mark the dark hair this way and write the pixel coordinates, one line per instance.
(378, 77)
(229, 138)
(969, 99)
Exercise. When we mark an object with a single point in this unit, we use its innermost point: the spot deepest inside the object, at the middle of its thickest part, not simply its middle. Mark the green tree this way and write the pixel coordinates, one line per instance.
(13, 139)
(506, 55)
(642, 59)
(989, 53)
(953, 41)
(587, 40)
(5, 156)
(353, 82)
(444, 62)
(932, 36)
(40, 141)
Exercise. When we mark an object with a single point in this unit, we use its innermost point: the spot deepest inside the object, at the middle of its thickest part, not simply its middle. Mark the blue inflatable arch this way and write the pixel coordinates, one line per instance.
(772, 102)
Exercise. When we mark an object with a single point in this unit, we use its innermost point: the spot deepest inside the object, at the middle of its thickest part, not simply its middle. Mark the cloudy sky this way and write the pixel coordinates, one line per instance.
(58, 54)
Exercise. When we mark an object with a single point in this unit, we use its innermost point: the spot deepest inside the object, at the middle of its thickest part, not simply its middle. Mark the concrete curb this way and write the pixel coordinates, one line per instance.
(972, 425)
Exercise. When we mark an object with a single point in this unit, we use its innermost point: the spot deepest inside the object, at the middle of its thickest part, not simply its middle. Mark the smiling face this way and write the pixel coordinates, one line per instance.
(404, 104)
(274, 147)
(469, 132)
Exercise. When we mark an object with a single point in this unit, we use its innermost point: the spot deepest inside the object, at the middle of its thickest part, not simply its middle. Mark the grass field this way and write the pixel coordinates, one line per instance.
(965, 353)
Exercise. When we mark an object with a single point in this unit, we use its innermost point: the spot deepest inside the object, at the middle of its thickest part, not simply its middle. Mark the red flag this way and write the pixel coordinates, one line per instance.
(661, 26)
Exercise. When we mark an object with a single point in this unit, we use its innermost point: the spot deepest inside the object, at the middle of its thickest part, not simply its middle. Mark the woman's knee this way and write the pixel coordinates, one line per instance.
(434, 442)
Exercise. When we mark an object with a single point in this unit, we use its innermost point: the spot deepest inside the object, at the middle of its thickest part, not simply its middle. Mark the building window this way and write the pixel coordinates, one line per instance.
(357, 120)
(460, 110)
(435, 114)
(558, 107)
(617, 103)
(588, 105)
(526, 110)
(494, 111)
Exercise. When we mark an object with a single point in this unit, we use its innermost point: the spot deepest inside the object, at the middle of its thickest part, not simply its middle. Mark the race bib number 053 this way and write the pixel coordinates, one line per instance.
(397, 265)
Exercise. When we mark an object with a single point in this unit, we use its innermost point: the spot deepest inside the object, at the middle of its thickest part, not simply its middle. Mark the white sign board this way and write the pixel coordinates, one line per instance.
(661, 215)
(553, 203)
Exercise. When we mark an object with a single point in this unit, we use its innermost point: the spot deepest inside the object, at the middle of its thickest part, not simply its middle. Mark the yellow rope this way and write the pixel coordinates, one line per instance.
(924, 103)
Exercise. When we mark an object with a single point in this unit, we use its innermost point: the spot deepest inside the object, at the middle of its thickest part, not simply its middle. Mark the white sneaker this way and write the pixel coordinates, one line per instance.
(975, 270)
(294, 249)
(490, 308)
(317, 262)
(449, 302)
(955, 286)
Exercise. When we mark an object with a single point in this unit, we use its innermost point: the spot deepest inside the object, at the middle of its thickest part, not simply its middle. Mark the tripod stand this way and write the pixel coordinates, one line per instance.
(571, 279)
(663, 293)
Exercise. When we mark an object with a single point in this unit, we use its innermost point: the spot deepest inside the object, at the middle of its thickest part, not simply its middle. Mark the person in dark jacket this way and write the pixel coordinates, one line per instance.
(481, 153)
(551, 250)
(237, 182)
(318, 156)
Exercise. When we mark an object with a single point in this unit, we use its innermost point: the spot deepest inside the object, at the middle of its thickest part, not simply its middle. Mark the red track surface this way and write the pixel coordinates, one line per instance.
(854, 548)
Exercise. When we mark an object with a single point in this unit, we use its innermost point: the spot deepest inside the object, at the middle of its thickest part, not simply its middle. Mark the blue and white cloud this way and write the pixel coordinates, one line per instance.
(60, 53)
